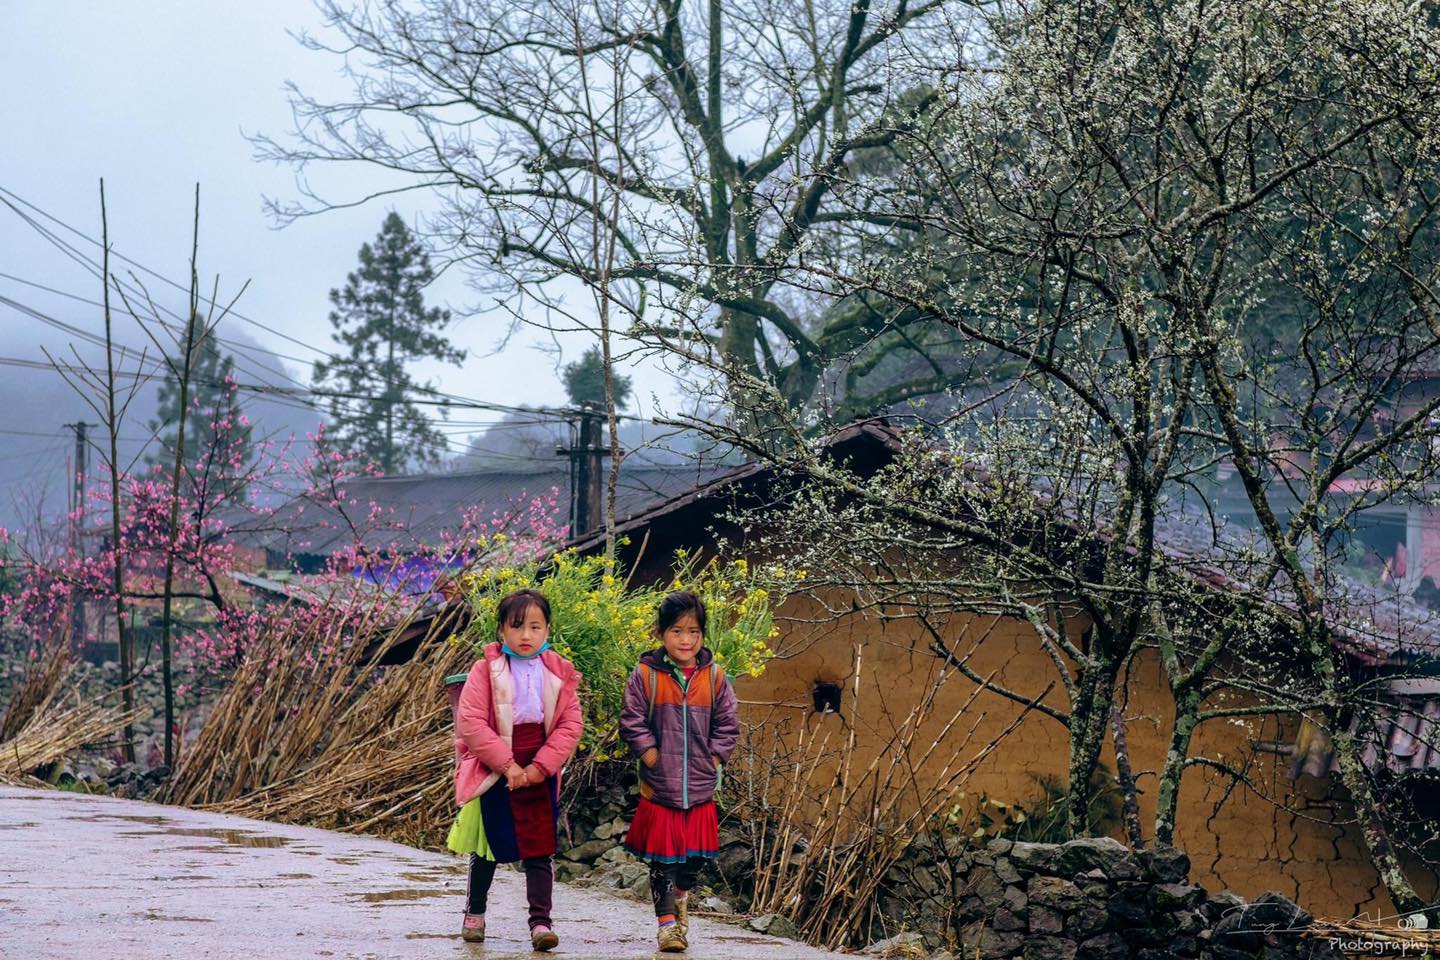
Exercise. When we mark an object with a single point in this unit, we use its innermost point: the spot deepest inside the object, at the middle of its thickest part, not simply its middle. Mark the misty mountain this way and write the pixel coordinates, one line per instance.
(37, 451)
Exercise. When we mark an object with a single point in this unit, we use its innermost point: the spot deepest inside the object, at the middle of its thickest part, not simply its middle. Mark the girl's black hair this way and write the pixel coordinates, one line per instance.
(514, 606)
(676, 605)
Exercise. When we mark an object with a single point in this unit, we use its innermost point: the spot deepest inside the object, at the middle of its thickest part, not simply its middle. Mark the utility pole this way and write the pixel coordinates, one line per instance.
(586, 473)
(77, 526)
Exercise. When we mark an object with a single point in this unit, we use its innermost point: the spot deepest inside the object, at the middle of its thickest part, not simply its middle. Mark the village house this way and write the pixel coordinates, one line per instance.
(395, 514)
(398, 517)
(1293, 839)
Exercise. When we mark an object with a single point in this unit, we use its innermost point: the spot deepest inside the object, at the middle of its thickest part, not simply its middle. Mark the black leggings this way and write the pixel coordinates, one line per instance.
(666, 878)
(539, 886)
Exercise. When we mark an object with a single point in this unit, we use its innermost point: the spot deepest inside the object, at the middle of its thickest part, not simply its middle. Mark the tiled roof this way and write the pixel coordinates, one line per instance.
(1406, 738)
(1378, 623)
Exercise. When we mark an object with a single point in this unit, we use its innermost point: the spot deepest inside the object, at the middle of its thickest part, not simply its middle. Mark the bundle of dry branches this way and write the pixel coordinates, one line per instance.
(42, 683)
(821, 855)
(56, 729)
(335, 743)
(385, 768)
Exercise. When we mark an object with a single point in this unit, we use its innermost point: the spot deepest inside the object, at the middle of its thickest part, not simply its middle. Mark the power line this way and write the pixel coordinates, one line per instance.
(234, 345)
(70, 328)
(298, 397)
(271, 391)
(300, 394)
(95, 269)
(29, 433)
(144, 269)
(45, 451)
(544, 415)
(445, 399)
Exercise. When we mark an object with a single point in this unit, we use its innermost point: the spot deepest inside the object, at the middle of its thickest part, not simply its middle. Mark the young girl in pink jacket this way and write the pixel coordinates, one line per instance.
(517, 722)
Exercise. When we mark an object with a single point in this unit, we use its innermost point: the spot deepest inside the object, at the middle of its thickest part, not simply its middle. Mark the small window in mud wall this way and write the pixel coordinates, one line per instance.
(826, 696)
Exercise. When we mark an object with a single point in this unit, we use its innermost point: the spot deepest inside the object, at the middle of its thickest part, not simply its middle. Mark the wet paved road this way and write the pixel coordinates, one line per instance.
(93, 877)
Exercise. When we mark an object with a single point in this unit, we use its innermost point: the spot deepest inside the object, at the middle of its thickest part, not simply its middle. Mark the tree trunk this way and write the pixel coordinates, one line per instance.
(1126, 778)
(167, 613)
(1088, 719)
(1187, 708)
(389, 464)
(112, 425)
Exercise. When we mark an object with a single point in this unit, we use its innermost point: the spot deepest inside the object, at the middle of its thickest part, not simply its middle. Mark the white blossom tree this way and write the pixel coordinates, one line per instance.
(1171, 237)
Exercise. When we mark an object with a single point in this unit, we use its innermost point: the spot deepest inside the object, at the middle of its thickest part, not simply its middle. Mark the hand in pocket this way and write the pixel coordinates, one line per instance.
(650, 758)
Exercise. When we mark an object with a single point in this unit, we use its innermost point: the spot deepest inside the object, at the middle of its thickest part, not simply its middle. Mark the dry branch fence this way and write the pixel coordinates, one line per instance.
(46, 719)
(823, 848)
(336, 741)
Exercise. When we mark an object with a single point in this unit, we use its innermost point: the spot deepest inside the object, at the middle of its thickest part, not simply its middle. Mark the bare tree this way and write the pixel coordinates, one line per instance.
(114, 415)
(111, 404)
(187, 358)
(724, 128)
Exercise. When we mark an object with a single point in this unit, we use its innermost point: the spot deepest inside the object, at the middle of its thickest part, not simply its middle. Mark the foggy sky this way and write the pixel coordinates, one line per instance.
(155, 96)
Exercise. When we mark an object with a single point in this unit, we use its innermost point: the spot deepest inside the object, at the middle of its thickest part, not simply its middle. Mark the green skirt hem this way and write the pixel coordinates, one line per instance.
(467, 833)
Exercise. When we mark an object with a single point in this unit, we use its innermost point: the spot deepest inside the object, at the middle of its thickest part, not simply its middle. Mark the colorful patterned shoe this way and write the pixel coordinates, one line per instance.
(672, 939)
(473, 929)
(543, 938)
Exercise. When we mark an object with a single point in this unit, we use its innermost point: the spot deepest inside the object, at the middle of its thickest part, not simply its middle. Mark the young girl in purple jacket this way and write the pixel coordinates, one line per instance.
(681, 719)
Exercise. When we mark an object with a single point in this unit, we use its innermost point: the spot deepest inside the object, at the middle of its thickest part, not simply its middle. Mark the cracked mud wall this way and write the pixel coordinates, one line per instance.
(1292, 839)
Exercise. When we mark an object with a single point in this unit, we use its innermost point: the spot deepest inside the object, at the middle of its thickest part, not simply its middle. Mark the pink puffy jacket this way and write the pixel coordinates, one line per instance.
(485, 721)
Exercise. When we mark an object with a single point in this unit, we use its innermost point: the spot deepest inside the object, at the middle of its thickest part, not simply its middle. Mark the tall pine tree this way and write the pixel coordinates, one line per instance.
(217, 433)
(381, 321)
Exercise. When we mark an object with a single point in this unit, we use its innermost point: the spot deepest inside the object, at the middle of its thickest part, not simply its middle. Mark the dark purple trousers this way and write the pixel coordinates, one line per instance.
(539, 887)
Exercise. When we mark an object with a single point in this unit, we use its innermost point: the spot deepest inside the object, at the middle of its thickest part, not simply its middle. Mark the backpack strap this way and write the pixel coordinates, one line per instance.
(654, 686)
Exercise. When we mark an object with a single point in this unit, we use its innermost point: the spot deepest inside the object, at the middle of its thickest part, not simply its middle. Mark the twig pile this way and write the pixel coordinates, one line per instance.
(386, 769)
(40, 728)
(41, 684)
(337, 743)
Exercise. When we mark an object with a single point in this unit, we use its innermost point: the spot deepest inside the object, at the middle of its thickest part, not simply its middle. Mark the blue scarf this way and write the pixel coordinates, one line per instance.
(505, 649)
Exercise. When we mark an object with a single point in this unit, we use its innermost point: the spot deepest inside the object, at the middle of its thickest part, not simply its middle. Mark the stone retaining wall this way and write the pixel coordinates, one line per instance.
(1088, 899)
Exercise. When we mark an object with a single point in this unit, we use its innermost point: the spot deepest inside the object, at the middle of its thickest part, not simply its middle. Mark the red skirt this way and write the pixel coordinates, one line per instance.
(520, 823)
(668, 835)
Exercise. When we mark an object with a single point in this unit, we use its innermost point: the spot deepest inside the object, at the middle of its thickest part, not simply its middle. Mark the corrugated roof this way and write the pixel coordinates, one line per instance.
(421, 509)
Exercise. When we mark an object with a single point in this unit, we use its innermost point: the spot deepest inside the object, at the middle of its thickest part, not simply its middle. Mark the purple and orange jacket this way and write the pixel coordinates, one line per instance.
(686, 723)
